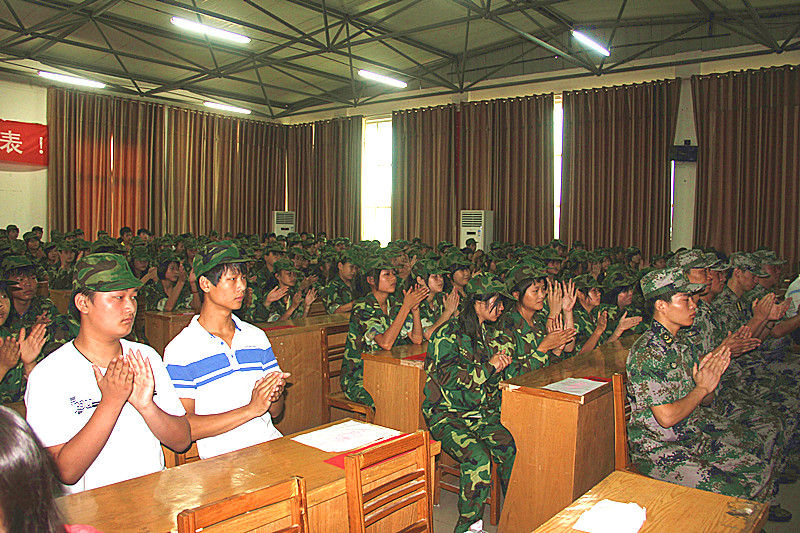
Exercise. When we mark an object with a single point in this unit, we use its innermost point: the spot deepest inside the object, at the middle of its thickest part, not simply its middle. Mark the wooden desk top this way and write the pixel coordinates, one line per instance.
(602, 362)
(669, 507)
(152, 502)
(398, 354)
(168, 315)
(299, 325)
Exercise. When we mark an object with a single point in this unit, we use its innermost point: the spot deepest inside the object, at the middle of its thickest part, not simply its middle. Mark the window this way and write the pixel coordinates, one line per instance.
(376, 181)
(558, 144)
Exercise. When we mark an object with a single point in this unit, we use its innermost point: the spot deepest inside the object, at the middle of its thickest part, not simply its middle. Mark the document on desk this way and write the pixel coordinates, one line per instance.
(576, 386)
(345, 436)
(608, 516)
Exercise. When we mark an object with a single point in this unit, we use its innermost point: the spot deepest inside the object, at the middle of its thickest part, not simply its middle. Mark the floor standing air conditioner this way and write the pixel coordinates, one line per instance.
(283, 222)
(478, 225)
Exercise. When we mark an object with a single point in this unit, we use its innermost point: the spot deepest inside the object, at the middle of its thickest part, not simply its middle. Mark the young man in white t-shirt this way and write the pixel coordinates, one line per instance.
(224, 369)
(100, 404)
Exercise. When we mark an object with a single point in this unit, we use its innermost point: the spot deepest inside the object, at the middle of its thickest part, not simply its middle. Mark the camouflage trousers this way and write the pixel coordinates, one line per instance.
(722, 465)
(475, 443)
(355, 391)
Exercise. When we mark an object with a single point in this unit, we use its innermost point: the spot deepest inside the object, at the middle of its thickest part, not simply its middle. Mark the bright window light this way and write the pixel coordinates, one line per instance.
(590, 43)
(227, 108)
(376, 181)
(382, 79)
(208, 30)
(71, 79)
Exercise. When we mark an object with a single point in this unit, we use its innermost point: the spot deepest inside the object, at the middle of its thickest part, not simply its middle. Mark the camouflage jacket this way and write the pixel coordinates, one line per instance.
(277, 308)
(756, 293)
(12, 386)
(429, 312)
(729, 311)
(336, 293)
(705, 333)
(614, 315)
(39, 305)
(584, 326)
(513, 334)
(460, 381)
(61, 279)
(659, 372)
(367, 320)
(155, 297)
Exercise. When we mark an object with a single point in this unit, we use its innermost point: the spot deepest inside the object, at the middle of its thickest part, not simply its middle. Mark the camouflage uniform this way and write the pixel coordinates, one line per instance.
(513, 334)
(62, 278)
(701, 451)
(584, 326)
(38, 306)
(336, 293)
(462, 409)
(277, 308)
(155, 297)
(429, 312)
(12, 386)
(367, 320)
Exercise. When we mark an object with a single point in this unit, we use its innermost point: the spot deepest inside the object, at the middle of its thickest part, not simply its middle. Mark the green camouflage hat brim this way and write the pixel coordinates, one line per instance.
(486, 283)
(523, 272)
(748, 262)
(690, 259)
(104, 273)
(377, 262)
(284, 265)
(586, 282)
(217, 254)
(13, 262)
(665, 280)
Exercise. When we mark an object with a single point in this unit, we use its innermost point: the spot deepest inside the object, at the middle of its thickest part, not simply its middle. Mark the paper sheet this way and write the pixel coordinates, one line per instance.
(576, 386)
(608, 516)
(345, 436)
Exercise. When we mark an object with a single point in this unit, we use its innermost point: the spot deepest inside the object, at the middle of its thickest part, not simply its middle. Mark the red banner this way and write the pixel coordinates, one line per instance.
(23, 143)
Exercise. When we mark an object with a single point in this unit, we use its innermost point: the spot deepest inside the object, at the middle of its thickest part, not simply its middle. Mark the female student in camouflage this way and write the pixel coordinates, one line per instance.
(19, 352)
(339, 294)
(174, 290)
(436, 308)
(292, 303)
(462, 399)
(378, 322)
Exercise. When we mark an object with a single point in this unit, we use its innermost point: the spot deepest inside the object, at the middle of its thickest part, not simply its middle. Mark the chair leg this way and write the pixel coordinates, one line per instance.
(494, 494)
(437, 482)
(370, 416)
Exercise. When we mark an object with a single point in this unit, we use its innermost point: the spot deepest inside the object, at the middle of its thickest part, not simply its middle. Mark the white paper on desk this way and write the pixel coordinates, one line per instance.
(345, 436)
(576, 386)
(608, 516)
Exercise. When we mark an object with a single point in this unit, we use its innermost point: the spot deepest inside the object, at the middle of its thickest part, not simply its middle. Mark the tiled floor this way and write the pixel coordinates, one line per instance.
(446, 514)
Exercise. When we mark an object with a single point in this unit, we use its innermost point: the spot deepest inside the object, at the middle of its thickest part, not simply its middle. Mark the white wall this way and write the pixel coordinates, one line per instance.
(23, 194)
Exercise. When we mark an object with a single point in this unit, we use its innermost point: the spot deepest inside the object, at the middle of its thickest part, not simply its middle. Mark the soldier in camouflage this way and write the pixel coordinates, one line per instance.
(292, 302)
(378, 322)
(437, 308)
(462, 398)
(61, 277)
(28, 307)
(669, 437)
(339, 294)
(175, 290)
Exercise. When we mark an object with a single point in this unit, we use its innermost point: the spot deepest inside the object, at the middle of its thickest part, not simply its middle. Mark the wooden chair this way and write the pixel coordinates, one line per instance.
(332, 357)
(452, 468)
(177, 459)
(399, 475)
(622, 414)
(253, 510)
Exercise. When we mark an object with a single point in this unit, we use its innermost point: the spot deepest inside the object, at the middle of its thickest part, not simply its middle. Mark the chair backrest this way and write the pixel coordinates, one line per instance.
(622, 414)
(398, 474)
(252, 510)
(333, 353)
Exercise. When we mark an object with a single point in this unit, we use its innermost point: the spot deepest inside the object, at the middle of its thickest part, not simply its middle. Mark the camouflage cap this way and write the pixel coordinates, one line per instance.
(191, 243)
(664, 280)
(523, 272)
(67, 246)
(48, 246)
(106, 244)
(485, 283)
(140, 252)
(274, 247)
(443, 245)
(216, 254)
(13, 262)
(471, 241)
(424, 268)
(768, 257)
(283, 264)
(104, 273)
(29, 235)
(377, 262)
(748, 262)
(689, 259)
(718, 265)
(549, 254)
(455, 260)
(618, 278)
(585, 282)
(82, 244)
(557, 242)
(167, 256)
(633, 250)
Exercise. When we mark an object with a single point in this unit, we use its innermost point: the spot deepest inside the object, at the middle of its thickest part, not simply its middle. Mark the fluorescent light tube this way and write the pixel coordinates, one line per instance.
(71, 79)
(208, 30)
(227, 107)
(590, 43)
(383, 79)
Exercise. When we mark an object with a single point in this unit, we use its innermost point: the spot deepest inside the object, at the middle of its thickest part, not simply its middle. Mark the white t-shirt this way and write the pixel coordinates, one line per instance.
(793, 295)
(220, 378)
(61, 397)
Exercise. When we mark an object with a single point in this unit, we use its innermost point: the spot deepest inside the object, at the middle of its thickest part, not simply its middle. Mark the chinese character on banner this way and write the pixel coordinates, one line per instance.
(22, 145)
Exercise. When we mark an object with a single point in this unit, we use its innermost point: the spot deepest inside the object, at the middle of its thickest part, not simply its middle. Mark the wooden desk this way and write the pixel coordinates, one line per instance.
(153, 501)
(669, 507)
(565, 443)
(61, 298)
(162, 326)
(396, 384)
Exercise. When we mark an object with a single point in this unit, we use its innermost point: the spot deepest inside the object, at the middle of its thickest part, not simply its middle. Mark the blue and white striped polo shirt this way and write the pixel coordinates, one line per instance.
(220, 378)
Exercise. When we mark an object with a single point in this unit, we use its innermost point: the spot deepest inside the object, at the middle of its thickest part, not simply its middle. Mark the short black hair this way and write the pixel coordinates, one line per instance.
(216, 273)
(143, 231)
(162, 268)
(89, 293)
(29, 270)
(124, 230)
(650, 303)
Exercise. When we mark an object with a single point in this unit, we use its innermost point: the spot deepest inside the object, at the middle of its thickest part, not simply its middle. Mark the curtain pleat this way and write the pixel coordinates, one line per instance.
(748, 134)
(299, 168)
(615, 187)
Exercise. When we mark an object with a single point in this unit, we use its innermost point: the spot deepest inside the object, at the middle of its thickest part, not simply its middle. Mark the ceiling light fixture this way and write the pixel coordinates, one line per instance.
(71, 79)
(383, 79)
(227, 108)
(590, 43)
(208, 30)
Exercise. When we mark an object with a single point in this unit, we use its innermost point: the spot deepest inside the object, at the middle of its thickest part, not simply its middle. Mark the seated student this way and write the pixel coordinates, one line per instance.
(519, 334)
(223, 369)
(171, 292)
(139, 260)
(28, 308)
(284, 302)
(670, 439)
(436, 308)
(339, 294)
(378, 322)
(462, 398)
(590, 326)
(19, 352)
(61, 276)
(28, 485)
(616, 301)
(100, 404)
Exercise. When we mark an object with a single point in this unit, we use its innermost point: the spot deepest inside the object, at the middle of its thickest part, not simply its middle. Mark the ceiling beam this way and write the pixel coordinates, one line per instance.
(762, 29)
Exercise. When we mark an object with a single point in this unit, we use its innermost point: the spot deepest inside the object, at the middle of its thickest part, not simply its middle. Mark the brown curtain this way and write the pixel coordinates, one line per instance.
(101, 160)
(507, 154)
(336, 177)
(299, 167)
(615, 187)
(424, 159)
(748, 165)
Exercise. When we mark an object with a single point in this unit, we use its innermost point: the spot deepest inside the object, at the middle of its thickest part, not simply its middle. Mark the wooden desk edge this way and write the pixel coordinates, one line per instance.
(605, 388)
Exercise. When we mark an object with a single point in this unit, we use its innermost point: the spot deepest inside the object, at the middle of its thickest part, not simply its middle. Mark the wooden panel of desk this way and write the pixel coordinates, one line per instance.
(396, 385)
(151, 503)
(61, 297)
(162, 326)
(565, 443)
(669, 507)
